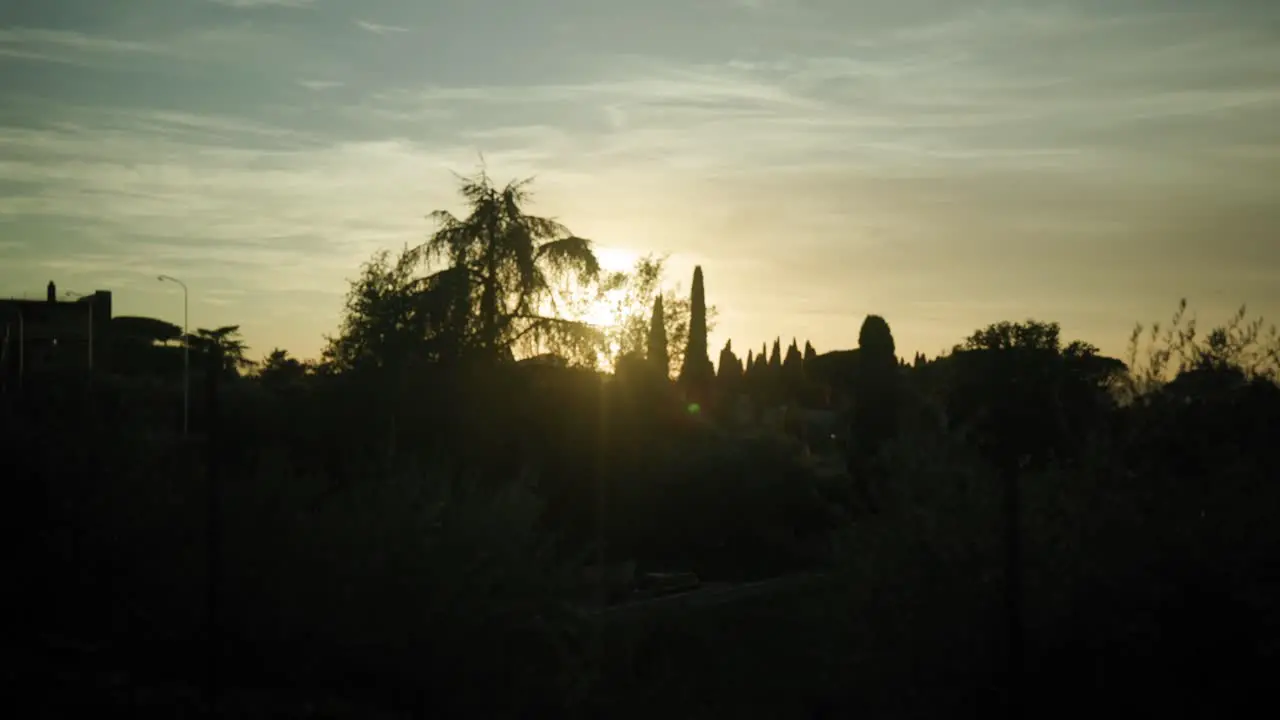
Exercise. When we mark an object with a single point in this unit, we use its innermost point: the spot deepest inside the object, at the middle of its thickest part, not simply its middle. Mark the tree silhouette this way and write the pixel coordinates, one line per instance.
(225, 345)
(697, 373)
(141, 346)
(793, 371)
(1003, 385)
(641, 288)
(759, 375)
(393, 318)
(130, 329)
(279, 369)
(504, 262)
(729, 365)
(875, 390)
(729, 376)
(657, 340)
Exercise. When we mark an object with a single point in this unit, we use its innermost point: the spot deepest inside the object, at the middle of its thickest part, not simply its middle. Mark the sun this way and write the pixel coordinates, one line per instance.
(604, 312)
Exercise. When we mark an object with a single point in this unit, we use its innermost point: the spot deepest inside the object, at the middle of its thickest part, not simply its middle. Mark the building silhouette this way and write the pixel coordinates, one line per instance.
(53, 335)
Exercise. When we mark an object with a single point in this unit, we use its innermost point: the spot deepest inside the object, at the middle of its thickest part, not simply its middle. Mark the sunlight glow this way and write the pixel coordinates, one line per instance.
(603, 313)
(606, 314)
(615, 259)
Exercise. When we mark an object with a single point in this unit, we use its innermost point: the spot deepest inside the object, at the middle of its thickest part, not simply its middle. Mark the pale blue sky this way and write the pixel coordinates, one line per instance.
(946, 164)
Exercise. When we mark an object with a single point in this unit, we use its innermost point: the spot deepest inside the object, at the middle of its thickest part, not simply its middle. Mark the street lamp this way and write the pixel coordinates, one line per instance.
(90, 299)
(186, 353)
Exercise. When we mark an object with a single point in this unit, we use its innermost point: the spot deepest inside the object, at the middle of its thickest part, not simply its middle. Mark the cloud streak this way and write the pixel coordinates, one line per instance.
(320, 84)
(377, 29)
(252, 4)
(66, 46)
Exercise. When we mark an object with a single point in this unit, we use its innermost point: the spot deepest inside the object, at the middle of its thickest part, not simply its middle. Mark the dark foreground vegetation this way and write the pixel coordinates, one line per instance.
(422, 525)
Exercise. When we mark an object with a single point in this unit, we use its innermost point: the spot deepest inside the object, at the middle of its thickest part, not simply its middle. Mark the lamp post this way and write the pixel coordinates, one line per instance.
(89, 299)
(22, 349)
(186, 353)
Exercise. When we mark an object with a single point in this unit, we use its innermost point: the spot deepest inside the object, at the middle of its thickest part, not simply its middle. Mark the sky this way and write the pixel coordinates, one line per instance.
(944, 164)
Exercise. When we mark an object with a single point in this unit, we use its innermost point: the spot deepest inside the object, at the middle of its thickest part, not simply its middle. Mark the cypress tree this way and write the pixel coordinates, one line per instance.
(730, 368)
(875, 386)
(729, 380)
(794, 361)
(793, 371)
(697, 373)
(657, 345)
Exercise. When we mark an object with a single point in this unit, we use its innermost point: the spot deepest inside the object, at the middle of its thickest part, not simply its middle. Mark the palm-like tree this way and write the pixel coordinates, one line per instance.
(503, 262)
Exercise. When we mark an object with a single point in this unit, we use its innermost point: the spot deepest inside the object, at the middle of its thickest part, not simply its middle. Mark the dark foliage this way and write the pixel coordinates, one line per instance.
(454, 500)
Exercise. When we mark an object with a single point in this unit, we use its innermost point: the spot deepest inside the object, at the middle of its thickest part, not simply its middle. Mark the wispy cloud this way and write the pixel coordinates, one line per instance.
(216, 45)
(380, 29)
(246, 4)
(176, 187)
(66, 46)
(320, 84)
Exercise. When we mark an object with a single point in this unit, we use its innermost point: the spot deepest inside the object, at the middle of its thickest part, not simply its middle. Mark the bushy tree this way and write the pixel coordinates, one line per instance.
(280, 369)
(392, 317)
(1025, 395)
(1237, 344)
